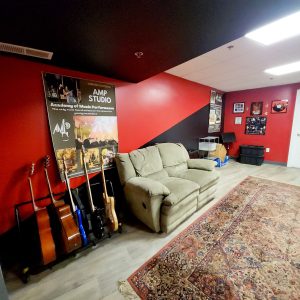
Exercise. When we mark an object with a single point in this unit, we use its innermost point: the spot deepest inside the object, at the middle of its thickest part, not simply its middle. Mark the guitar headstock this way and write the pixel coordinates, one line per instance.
(64, 165)
(46, 161)
(83, 152)
(102, 154)
(32, 170)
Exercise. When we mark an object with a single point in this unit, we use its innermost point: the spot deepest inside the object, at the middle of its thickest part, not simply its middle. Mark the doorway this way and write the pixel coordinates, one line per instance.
(294, 152)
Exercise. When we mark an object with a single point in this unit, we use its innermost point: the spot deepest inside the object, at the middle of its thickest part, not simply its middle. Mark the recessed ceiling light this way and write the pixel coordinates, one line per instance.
(284, 69)
(279, 30)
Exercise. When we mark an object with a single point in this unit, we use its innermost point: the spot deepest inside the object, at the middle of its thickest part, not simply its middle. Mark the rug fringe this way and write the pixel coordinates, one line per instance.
(127, 291)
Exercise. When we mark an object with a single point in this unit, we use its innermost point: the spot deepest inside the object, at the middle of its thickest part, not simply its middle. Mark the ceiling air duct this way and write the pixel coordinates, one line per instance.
(15, 49)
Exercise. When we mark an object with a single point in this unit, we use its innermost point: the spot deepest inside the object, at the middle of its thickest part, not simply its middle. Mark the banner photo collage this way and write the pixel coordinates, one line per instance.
(215, 112)
(81, 113)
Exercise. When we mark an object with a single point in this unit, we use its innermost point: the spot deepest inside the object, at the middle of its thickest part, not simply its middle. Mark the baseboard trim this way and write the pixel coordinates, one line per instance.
(275, 163)
(271, 162)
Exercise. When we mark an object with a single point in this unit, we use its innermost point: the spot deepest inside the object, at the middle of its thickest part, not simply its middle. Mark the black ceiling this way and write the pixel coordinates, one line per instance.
(101, 36)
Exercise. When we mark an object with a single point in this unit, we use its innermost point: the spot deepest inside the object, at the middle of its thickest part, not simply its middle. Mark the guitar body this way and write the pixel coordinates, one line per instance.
(70, 234)
(112, 220)
(95, 218)
(83, 221)
(48, 253)
(81, 229)
(97, 223)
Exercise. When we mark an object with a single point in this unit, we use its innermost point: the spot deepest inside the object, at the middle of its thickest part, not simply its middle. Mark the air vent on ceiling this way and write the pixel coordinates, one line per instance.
(10, 48)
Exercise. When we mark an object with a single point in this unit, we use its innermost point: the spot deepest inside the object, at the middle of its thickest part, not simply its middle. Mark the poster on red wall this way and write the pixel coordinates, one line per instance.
(215, 112)
(83, 121)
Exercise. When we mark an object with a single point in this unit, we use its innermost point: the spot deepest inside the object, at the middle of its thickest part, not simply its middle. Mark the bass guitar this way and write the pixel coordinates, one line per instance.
(47, 246)
(70, 236)
(109, 203)
(75, 210)
(96, 216)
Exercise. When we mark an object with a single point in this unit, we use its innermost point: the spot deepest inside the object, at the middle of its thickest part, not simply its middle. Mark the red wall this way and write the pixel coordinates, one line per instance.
(144, 111)
(278, 129)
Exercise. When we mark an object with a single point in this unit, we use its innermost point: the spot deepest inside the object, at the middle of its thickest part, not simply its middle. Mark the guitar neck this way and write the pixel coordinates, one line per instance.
(88, 186)
(69, 190)
(103, 178)
(32, 195)
(49, 186)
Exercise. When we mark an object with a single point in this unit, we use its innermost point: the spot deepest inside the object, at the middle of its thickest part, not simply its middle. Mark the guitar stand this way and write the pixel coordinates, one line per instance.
(27, 264)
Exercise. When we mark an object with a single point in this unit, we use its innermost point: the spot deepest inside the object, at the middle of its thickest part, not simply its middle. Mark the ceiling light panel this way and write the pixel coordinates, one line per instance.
(279, 30)
(284, 69)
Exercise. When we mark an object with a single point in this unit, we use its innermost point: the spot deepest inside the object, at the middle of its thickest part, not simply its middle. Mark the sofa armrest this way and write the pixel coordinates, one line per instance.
(148, 186)
(145, 196)
(201, 164)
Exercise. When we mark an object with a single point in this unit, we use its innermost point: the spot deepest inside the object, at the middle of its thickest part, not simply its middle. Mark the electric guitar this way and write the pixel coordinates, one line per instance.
(75, 210)
(109, 203)
(47, 246)
(96, 217)
(70, 236)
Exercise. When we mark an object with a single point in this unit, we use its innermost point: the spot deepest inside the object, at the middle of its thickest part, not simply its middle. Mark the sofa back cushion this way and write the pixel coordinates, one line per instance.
(172, 154)
(178, 169)
(146, 161)
(125, 167)
(158, 175)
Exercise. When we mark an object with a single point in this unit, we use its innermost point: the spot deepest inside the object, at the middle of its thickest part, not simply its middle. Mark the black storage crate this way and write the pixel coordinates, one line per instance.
(252, 150)
(252, 155)
(251, 160)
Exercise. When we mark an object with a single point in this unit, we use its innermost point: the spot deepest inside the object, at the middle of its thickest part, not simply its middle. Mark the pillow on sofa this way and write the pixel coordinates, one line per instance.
(172, 154)
(146, 161)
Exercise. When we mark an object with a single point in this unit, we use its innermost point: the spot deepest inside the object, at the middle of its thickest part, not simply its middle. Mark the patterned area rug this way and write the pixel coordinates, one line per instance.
(245, 247)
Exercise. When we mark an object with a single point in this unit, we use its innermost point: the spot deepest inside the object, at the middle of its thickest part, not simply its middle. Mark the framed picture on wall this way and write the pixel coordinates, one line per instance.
(256, 108)
(279, 106)
(256, 125)
(238, 120)
(238, 108)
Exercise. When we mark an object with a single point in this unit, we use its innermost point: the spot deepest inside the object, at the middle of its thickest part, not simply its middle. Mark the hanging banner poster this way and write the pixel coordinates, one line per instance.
(82, 119)
(215, 112)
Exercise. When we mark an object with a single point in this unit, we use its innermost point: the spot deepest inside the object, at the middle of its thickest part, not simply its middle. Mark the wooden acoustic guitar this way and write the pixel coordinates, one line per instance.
(109, 203)
(47, 246)
(75, 209)
(96, 216)
(70, 236)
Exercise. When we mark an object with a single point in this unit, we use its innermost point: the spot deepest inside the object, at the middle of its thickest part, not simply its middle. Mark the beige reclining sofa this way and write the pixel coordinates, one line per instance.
(163, 186)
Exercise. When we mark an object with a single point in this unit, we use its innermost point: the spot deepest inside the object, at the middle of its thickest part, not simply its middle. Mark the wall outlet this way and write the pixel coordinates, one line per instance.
(267, 149)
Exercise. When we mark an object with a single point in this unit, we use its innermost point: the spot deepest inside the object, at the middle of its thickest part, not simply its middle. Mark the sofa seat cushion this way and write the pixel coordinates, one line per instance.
(179, 189)
(146, 161)
(204, 179)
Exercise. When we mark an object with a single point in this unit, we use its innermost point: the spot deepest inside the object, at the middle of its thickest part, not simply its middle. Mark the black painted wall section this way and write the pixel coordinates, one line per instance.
(188, 131)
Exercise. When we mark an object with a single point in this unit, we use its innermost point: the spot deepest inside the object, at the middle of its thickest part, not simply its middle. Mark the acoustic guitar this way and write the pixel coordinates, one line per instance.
(109, 203)
(70, 236)
(96, 216)
(47, 246)
(75, 209)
